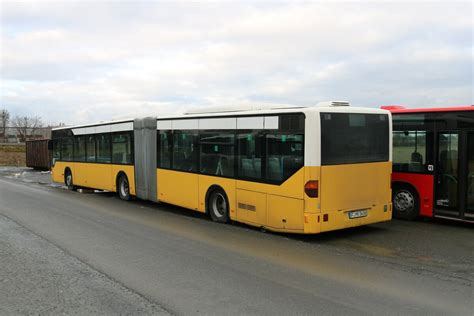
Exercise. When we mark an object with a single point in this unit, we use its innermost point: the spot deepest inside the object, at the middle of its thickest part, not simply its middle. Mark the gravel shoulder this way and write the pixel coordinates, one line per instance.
(36, 277)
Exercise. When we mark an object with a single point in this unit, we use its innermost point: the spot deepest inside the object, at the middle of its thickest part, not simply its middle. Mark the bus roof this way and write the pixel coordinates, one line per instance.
(93, 124)
(305, 110)
(401, 109)
(222, 113)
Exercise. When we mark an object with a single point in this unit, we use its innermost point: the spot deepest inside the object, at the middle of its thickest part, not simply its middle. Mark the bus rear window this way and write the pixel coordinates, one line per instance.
(354, 138)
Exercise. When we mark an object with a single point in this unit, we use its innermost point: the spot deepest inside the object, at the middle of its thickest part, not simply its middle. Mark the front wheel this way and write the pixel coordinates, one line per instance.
(123, 188)
(405, 203)
(218, 206)
(68, 180)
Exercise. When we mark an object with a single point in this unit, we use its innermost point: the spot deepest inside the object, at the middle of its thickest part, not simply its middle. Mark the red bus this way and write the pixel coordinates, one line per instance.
(433, 162)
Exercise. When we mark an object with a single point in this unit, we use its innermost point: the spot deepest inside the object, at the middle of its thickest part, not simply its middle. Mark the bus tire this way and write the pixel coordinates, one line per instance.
(123, 188)
(68, 180)
(218, 206)
(406, 203)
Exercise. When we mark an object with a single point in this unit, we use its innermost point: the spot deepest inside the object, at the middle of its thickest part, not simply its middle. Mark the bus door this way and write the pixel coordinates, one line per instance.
(469, 214)
(452, 175)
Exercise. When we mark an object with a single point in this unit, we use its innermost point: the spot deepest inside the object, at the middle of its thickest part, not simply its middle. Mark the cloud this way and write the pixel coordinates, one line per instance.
(79, 62)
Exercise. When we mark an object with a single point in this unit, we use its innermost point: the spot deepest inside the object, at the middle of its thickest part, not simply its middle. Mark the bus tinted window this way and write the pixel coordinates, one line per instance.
(414, 121)
(79, 148)
(185, 151)
(66, 149)
(90, 148)
(284, 155)
(354, 138)
(103, 148)
(122, 148)
(164, 149)
(409, 151)
(249, 155)
(217, 154)
(56, 149)
(291, 122)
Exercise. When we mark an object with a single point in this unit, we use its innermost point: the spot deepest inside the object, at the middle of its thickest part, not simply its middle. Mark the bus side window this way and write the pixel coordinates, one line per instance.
(66, 149)
(103, 148)
(56, 149)
(409, 148)
(185, 151)
(90, 148)
(164, 149)
(217, 153)
(79, 148)
(122, 148)
(249, 155)
(284, 155)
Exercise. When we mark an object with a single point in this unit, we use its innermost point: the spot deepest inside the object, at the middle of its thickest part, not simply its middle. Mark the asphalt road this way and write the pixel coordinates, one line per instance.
(161, 258)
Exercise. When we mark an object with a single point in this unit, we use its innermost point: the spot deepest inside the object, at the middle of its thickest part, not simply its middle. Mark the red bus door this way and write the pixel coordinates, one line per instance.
(469, 214)
(452, 178)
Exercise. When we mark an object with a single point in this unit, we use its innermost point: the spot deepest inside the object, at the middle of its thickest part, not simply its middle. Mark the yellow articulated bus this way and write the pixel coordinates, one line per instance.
(286, 169)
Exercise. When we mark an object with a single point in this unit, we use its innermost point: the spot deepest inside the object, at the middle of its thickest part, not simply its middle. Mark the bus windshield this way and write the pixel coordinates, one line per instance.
(354, 138)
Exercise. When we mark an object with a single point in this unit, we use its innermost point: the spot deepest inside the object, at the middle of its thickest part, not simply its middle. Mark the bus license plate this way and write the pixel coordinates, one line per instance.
(357, 214)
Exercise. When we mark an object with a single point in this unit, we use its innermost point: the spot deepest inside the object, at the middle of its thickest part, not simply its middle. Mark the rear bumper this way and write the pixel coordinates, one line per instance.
(340, 219)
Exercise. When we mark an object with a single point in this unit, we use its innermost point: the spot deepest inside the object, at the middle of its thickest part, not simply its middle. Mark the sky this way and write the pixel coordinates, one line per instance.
(84, 61)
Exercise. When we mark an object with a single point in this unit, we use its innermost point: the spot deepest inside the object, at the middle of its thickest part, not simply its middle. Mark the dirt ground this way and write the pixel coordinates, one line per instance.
(12, 155)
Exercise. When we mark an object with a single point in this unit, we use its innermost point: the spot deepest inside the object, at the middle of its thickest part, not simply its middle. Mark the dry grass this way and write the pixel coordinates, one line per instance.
(12, 148)
(12, 155)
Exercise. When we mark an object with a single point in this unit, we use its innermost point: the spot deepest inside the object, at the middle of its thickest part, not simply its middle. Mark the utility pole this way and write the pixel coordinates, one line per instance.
(5, 117)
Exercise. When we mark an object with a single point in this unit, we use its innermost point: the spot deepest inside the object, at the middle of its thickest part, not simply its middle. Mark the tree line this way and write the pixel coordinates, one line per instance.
(25, 126)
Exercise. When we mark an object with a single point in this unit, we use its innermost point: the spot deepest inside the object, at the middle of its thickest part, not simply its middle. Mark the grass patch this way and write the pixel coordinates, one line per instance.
(10, 148)
(13, 155)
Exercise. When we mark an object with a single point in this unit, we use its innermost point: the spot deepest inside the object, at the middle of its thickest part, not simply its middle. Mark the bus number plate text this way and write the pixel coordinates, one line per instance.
(357, 214)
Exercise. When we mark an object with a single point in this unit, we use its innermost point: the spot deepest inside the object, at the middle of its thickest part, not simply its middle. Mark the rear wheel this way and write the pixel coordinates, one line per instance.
(405, 203)
(218, 206)
(68, 180)
(123, 188)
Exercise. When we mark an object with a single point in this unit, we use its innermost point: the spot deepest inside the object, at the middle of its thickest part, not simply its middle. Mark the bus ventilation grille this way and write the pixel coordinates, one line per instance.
(332, 103)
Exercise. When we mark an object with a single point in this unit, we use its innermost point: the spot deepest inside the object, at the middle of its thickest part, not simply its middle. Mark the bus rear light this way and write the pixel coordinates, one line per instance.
(311, 188)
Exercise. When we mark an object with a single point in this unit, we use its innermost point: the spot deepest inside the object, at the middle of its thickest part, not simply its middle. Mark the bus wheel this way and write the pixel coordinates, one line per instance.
(69, 181)
(123, 188)
(405, 203)
(218, 206)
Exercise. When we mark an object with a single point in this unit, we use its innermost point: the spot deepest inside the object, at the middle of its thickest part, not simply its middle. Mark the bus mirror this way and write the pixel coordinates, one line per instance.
(50, 145)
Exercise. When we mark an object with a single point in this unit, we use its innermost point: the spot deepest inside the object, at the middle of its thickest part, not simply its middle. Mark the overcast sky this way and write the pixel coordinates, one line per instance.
(85, 61)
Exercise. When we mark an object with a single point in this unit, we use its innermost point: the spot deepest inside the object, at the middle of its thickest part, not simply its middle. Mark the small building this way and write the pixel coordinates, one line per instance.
(12, 135)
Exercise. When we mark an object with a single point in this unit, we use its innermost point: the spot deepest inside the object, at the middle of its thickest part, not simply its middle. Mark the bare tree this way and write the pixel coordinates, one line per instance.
(26, 126)
(4, 119)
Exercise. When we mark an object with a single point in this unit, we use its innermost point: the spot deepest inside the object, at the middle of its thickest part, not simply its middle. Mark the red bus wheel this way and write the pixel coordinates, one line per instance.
(405, 203)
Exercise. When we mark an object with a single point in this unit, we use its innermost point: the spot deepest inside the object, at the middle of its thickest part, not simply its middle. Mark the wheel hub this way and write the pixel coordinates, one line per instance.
(219, 205)
(404, 201)
(124, 188)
